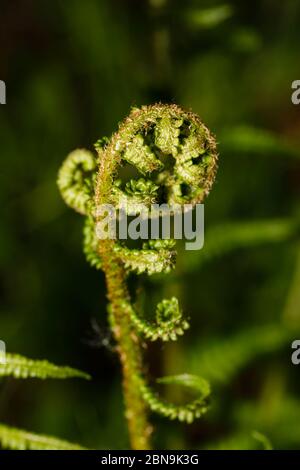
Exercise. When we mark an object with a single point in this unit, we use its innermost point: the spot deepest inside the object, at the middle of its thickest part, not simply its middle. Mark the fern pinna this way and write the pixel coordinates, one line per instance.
(176, 156)
(20, 367)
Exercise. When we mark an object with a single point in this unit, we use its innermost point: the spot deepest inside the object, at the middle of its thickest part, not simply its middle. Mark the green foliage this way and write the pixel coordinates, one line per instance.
(246, 139)
(141, 156)
(221, 60)
(167, 134)
(227, 237)
(17, 439)
(243, 441)
(221, 359)
(206, 18)
(276, 415)
(147, 139)
(73, 179)
(266, 444)
(21, 367)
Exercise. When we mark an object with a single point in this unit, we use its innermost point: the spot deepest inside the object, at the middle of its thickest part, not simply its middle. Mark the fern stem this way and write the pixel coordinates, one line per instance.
(129, 349)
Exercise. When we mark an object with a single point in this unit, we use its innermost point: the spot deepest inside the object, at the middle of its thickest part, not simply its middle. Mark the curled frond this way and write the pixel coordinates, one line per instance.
(171, 145)
(176, 156)
(18, 439)
(169, 321)
(141, 187)
(90, 244)
(137, 195)
(187, 412)
(157, 256)
(150, 259)
(75, 180)
(21, 367)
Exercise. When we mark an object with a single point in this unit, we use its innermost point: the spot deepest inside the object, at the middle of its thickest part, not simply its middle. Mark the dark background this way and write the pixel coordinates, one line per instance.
(73, 69)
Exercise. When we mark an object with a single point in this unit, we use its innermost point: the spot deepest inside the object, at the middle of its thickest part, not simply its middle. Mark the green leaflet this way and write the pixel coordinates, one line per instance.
(21, 367)
(193, 382)
(17, 439)
(167, 133)
(141, 187)
(141, 156)
(191, 162)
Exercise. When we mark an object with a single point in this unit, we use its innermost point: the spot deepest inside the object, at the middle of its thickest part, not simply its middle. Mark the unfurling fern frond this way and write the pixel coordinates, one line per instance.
(75, 179)
(176, 157)
(21, 367)
(149, 260)
(169, 321)
(17, 439)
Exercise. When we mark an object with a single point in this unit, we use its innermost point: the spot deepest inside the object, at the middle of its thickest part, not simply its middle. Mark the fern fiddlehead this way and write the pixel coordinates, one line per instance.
(176, 156)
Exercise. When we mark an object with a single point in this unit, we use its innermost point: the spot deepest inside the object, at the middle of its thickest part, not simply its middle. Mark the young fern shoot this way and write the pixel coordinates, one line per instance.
(148, 139)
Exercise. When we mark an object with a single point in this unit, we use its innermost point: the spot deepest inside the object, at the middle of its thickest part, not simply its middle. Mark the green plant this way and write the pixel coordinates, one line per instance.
(177, 151)
(20, 367)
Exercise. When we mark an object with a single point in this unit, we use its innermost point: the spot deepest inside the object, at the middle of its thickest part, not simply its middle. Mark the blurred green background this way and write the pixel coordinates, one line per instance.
(73, 70)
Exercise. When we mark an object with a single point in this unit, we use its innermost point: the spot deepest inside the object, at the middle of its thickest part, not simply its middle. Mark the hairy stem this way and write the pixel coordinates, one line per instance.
(129, 349)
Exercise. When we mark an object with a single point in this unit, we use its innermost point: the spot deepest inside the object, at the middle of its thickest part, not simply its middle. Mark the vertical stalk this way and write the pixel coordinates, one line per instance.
(129, 349)
(170, 131)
